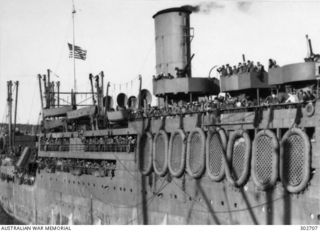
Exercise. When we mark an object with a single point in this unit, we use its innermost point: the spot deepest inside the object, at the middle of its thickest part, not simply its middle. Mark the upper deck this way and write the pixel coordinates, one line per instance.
(306, 71)
(246, 80)
(201, 86)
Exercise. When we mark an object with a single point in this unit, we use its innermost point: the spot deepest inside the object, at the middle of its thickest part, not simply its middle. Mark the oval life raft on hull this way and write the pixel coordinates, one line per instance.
(196, 153)
(238, 154)
(265, 159)
(309, 109)
(295, 160)
(145, 153)
(160, 153)
(216, 145)
(177, 153)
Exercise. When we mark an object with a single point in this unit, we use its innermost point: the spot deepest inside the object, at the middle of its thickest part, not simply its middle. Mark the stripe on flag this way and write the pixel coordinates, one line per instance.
(79, 53)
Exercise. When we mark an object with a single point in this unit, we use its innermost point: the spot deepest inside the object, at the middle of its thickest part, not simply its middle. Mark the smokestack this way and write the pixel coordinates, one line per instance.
(172, 37)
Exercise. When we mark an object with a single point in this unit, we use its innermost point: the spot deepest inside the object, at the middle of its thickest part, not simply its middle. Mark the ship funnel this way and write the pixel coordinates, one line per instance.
(122, 100)
(173, 37)
(132, 102)
(109, 101)
(146, 97)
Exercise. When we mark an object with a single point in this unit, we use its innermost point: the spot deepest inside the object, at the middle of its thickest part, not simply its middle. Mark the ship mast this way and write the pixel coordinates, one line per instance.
(15, 112)
(9, 102)
(73, 44)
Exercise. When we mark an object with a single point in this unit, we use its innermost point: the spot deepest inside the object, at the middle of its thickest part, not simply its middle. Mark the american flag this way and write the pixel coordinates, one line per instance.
(79, 53)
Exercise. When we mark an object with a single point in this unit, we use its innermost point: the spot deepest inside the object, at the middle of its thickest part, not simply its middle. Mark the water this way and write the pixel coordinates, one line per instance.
(6, 219)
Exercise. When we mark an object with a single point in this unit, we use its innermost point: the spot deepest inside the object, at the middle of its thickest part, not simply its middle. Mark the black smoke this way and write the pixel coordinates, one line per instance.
(207, 7)
(204, 7)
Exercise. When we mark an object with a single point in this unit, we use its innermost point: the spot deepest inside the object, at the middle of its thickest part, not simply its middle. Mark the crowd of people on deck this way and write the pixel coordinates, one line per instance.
(17, 175)
(291, 96)
(272, 64)
(25, 178)
(110, 144)
(242, 67)
(95, 144)
(163, 76)
(98, 168)
(226, 101)
(54, 144)
(179, 73)
(20, 178)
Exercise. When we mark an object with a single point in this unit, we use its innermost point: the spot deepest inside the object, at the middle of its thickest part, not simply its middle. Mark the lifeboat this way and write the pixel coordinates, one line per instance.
(118, 116)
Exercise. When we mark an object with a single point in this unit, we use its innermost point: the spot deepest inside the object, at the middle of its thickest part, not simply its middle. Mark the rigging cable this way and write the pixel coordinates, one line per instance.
(145, 59)
(64, 44)
(32, 100)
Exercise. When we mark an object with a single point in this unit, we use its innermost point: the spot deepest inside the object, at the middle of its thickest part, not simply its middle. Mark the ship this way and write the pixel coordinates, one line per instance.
(239, 149)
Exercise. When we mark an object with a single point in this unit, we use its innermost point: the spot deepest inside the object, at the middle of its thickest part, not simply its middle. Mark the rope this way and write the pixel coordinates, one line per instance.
(66, 101)
(31, 108)
(56, 75)
(63, 45)
(145, 59)
(88, 98)
(150, 200)
(125, 168)
(130, 87)
(123, 83)
(118, 87)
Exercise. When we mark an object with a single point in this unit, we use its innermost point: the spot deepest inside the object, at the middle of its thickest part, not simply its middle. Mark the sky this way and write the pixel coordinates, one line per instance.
(119, 38)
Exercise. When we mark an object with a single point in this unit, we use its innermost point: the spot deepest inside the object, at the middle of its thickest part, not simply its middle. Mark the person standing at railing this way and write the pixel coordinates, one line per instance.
(67, 144)
(101, 143)
(56, 146)
(46, 144)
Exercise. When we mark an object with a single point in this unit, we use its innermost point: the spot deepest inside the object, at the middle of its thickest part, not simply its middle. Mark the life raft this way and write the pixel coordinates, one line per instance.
(309, 109)
(238, 155)
(145, 153)
(216, 145)
(265, 159)
(295, 160)
(160, 153)
(196, 153)
(177, 153)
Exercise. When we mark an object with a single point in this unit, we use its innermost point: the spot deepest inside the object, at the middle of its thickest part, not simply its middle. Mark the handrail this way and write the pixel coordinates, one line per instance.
(88, 147)
(230, 109)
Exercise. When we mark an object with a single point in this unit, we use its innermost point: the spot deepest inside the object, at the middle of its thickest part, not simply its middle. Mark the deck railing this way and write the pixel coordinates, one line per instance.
(88, 147)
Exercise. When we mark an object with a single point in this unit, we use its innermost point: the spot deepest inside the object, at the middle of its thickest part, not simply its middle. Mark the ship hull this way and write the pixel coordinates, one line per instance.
(126, 196)
(62, 198)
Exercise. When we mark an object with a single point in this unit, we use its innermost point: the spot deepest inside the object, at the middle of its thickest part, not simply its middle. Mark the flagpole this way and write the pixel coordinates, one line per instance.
(74, 60)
